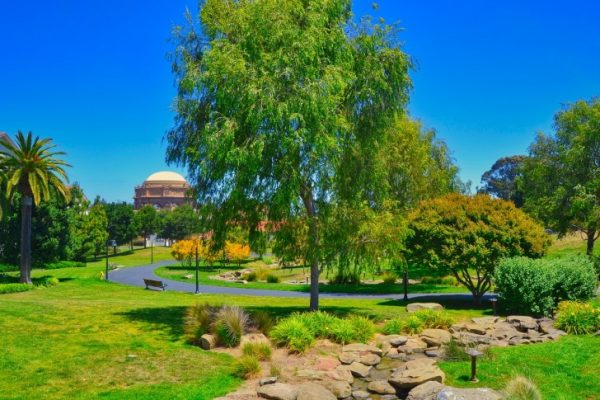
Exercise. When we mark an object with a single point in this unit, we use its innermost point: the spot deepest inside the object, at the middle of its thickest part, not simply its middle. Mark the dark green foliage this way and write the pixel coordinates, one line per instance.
(6, 288)
(272, 278)
(64, 264)
(121, 222)
(147, 221)
(501, 180)
(262, 321)
(8, 267)
(537, 286)
(179, 223)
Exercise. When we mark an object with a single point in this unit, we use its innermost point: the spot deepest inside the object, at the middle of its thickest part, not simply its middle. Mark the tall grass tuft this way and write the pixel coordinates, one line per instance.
(197, 321)
(521, 388)
(260, 350)
(247, 366)
(231, 323)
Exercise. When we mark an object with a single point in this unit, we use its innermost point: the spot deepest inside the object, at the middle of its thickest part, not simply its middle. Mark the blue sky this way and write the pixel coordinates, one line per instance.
(95, 76)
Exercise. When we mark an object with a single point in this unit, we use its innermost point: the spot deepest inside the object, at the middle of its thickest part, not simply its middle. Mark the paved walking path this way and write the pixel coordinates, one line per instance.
(134, 276)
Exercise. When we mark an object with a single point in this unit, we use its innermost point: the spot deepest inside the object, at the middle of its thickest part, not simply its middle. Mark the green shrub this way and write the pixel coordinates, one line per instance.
(318, 323)
(259, 350)
(521, 388)
(363, 327)
(49, 281)
(272, 278)
(291, 332)
(6, 288)
(434, 319)
(247, 367)
(413, 325)
(262, 321)
(535, 287)
(342, 331)
(268, 260)
(251, 277)
(389, 278)
(394, 326)
(525, 286)
(197, 321)
(578, 318)
(8, 268)
(230, 324)
(575, 278)
(64, 264)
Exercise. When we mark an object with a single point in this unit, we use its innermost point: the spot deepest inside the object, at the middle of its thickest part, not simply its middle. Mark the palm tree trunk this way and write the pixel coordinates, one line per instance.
(26, 210)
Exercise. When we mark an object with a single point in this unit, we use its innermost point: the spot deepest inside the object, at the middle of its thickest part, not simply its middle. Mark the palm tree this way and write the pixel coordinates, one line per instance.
(31, 168)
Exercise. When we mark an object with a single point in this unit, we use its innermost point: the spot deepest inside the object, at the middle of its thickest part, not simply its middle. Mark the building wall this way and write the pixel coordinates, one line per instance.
(161, 194)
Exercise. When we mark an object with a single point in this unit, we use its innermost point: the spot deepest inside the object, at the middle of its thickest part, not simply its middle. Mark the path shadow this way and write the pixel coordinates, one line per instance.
(167, 319)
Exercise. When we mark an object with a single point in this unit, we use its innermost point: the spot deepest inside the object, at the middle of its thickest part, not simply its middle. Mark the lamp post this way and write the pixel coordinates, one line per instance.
(197, 271)
(405, 282)
(109, 243)
(474, 353)
(494, 301)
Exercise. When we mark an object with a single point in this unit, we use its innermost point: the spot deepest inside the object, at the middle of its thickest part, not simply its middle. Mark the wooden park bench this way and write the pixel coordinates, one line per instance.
(152, 283)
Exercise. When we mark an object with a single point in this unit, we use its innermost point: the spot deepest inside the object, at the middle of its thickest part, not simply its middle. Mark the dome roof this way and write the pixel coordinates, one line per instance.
(165, 176)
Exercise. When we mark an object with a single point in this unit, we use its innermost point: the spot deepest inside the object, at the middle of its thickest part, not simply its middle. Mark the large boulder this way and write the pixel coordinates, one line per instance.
(381, 387)
(412, 307)
(416, 372)
(278, 391)
(437, 391)
(522, 323)
(340, 389)
(311, 391)
(362, 348)
(357, 369)
(436, 337)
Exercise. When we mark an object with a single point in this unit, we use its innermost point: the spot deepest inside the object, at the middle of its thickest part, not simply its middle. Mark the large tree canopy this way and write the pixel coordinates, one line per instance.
(501, 180)
(467, 236)
(561, 176)
(273, 97)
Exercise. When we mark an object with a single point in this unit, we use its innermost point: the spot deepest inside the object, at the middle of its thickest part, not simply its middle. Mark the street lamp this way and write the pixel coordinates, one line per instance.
(405, 282)
(109, 243)
(197, 271)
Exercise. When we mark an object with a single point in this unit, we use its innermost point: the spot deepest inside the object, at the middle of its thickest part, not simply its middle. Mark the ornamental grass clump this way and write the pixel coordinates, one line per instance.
(198, 320)
(260, 350)
(231, 323)
(246, 367)
(578, 318)
(292, 332)
(521, 388)
(434, 319)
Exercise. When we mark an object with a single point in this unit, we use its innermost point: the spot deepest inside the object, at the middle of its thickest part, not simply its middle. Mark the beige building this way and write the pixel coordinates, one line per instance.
(163, 189)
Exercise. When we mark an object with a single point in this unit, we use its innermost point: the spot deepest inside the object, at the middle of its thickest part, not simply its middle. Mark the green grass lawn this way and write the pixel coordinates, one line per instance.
(178, 273)
(568, 369)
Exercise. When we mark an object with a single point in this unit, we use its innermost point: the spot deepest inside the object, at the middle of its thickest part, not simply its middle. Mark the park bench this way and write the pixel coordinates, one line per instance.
(152, 283)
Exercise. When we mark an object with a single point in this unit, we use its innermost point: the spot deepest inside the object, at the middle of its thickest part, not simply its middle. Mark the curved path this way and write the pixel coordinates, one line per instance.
(134, 276)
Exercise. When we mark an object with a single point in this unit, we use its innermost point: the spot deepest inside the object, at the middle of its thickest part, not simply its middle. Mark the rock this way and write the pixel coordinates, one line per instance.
(268, 380)
(412, 307)
(360, 395)
(310, 374)
(449, 393)
(478, 329)
(436, 337)
(369, 359)
(208, 341)
(340, 374)
(426, 391)
(419, 363)
(357, 369)
(484, 320)
(381, 387)
(416, 372)
(437, 391)
(362, 348)
(522, 323)
(327, 364)
(431, 353)
(340, 389)
(388, 397)
(254, 338)
(397, 340)
(349, 357)
(413, 345)
(278, 391)
(311, 391)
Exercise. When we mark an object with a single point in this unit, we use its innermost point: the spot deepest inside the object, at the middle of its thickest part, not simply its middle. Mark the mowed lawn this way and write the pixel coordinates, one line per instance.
(87, 338)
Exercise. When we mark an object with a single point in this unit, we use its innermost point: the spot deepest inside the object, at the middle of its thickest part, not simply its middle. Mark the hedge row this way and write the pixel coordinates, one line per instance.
(536, 286)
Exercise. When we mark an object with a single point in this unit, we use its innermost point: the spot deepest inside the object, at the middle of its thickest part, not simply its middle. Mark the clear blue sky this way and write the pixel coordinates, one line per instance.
(95, 77)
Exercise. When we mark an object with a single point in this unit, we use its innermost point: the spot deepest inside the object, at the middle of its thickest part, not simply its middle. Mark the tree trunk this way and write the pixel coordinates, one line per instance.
(26, 210)
(309, 204)
(591, 238)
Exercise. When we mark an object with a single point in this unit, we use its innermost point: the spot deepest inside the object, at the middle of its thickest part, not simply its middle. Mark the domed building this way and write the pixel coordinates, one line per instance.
(163, 189)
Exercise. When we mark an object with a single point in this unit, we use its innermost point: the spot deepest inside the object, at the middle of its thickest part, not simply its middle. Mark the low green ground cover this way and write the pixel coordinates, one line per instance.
(567, 369)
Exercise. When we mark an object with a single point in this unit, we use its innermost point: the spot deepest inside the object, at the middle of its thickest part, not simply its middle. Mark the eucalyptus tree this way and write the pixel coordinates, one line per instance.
(561, 176)
(271, 96)
(34, 170)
